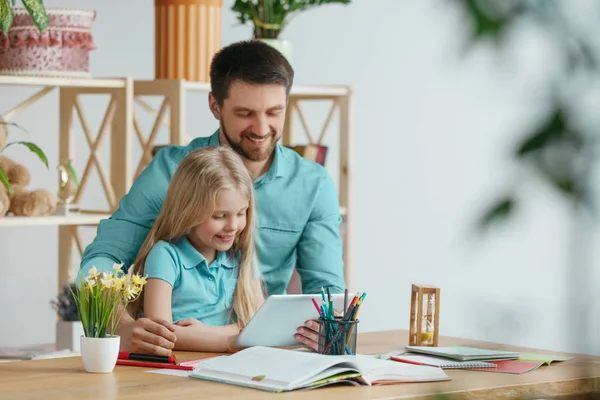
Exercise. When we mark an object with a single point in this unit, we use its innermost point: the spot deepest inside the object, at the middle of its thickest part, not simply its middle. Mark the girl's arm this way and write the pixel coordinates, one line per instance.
(192, 335)
(210, 338)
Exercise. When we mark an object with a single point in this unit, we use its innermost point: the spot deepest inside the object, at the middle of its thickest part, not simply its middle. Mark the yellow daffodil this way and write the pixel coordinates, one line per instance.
(106, 283)
(118, 268)
(138, 280)
(117, 284)
(101, 297)
(90, 283)
(130, 292)
(93, 273)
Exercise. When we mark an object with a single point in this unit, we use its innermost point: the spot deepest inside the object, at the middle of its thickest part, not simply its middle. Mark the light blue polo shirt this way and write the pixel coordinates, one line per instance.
(200, 291)
(298, 214)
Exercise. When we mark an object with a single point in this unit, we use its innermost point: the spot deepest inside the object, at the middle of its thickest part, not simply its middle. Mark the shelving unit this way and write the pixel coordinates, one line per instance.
(53, 220)
(174, 98)
(121, 121)
(117, 120)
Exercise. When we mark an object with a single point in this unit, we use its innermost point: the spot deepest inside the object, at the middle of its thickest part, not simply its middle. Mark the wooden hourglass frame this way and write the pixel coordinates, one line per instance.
(424, 315)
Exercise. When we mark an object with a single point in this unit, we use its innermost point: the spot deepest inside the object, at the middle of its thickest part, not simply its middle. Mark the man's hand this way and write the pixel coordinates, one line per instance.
(309, 335)
(148, 336)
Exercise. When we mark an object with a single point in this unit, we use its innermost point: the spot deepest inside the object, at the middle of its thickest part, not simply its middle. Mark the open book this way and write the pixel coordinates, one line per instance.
(279, 370)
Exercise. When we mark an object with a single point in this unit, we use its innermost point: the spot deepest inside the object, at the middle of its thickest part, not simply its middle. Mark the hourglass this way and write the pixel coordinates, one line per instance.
(424, 315)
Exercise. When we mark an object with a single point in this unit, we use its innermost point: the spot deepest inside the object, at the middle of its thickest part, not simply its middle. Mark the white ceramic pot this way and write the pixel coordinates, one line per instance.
(284, 47)
(100, 355)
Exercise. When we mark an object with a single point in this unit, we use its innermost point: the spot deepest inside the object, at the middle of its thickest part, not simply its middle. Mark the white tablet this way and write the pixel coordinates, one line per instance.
(277, 320)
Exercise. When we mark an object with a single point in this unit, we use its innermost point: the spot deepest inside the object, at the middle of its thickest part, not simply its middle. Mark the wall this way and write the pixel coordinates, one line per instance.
(433, 134)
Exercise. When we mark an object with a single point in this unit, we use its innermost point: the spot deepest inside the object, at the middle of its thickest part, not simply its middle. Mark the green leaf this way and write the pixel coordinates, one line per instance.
(552, 129)
(34, 148)
(38, 12)
(5, 181)
(73, 173)
(500, 211)
(14, 123)
(6, 16)
(562, 175)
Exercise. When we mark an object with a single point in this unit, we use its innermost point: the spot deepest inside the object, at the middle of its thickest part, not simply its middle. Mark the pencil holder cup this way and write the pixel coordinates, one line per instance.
(337, 337)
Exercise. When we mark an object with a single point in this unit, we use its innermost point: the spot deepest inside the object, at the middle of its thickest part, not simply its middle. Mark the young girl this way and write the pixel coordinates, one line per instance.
(199, 255)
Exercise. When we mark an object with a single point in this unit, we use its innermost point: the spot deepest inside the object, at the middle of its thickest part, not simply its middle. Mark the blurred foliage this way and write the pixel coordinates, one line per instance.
(557, 149)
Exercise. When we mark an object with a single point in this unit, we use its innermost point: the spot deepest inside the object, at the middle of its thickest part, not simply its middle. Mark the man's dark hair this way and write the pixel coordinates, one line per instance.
(250, 61)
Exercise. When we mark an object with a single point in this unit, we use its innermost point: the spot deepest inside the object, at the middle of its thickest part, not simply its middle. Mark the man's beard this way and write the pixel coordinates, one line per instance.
(260, 154)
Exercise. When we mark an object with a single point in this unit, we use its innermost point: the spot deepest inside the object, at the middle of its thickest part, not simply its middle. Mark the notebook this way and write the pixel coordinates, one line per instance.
(464, 353)
(279, 370)
(440, 362)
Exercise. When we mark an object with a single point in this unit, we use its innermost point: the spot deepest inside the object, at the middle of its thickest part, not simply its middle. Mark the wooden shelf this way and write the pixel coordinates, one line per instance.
(52, 220)
(149, 86)
(112, 83)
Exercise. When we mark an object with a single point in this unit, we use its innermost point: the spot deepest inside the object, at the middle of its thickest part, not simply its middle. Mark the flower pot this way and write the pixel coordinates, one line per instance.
(62, 50)
(68, 335)
(187, 35)
(99, 355)
(284, 47)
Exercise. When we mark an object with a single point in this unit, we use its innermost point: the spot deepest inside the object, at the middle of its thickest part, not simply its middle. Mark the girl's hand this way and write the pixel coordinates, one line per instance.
(188, 322)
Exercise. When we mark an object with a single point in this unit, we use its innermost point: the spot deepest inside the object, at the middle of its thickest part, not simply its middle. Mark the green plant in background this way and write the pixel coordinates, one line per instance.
(30, 145)
(35, 8)
(270, 17)
(559, 150)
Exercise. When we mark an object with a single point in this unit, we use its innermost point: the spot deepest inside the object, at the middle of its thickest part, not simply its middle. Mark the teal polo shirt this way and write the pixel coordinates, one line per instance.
(200, 291)
(298, 214)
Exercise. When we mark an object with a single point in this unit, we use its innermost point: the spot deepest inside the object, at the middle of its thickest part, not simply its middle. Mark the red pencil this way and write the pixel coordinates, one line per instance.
(316, 306)
(402, 360)
(154, 365)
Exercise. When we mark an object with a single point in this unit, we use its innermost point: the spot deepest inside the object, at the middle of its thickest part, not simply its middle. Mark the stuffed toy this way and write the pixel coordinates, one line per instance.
(23, 202)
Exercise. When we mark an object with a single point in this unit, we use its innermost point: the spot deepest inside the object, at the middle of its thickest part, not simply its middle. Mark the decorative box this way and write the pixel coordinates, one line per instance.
(61, 51)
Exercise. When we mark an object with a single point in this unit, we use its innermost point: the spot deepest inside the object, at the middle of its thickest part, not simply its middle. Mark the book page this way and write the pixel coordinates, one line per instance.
(374, 369)
(287, 367)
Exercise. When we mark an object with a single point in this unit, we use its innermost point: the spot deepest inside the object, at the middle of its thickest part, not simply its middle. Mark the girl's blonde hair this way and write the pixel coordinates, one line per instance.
(190, 201)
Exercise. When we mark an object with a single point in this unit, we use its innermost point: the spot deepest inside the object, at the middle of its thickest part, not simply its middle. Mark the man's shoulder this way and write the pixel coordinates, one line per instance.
(174, 153)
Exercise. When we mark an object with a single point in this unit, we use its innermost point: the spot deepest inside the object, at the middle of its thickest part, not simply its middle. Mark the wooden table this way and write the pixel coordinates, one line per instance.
(64, 378)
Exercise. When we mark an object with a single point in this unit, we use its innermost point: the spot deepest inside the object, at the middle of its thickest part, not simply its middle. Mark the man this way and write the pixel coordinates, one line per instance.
(297, 204)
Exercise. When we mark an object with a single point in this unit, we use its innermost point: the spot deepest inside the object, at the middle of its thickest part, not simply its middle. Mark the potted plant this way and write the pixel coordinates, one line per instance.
(270, 17)
(35, 8)
(101, 300)
(69, 328)
(40, 41)
(4, 176)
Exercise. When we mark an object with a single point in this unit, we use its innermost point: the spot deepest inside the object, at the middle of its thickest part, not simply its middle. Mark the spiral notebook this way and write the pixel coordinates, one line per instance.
(441, 362)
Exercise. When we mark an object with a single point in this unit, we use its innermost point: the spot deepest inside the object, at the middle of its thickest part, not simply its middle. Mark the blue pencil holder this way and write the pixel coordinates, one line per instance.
(337, 337)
